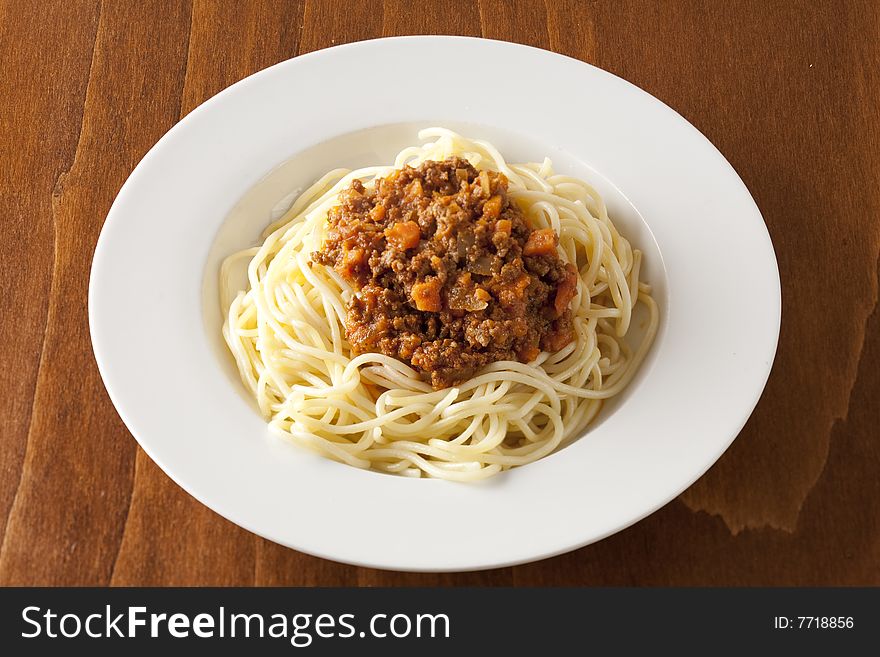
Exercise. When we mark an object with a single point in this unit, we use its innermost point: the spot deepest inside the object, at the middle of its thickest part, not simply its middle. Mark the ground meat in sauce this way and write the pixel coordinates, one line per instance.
(449, 276)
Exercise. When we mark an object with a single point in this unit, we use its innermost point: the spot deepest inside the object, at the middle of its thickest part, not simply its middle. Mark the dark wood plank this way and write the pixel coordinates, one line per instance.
(522, 21)
(170, 539)
(571, 30)
(402, 17)
(811, 177)
(70, 507)
(45, 91)
(815, 183)
(327, 23)
(230, 40)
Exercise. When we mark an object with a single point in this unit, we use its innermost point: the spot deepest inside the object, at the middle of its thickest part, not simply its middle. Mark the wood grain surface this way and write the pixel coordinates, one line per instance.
(788, 91)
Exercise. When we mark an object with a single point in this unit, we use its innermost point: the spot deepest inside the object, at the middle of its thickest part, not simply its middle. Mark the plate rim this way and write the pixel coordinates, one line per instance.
(121, 407)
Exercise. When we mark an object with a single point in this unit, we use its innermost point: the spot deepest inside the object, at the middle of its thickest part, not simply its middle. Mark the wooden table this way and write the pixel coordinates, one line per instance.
(789, 92)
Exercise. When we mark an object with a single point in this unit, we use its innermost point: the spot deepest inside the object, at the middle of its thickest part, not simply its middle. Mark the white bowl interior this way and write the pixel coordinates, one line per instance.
(378, 145)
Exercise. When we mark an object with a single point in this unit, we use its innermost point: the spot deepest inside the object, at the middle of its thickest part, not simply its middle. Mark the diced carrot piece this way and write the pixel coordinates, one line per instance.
(404, 235)
(427, 295)
(502, 225)
(482, 294)
(540, 242)
(566, 290)
(378, 213)
(350, 260)
(528, 353)
(492, 207)
(557, 338)
(354, 256)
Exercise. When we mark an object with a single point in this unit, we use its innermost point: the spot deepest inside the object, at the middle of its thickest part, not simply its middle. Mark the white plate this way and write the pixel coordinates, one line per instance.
(155, 324)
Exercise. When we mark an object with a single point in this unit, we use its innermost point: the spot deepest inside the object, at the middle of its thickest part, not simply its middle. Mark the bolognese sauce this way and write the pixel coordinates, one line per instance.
(448, 274)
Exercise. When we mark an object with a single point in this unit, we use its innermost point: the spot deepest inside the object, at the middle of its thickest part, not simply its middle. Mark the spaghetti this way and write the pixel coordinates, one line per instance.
(287, 334)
